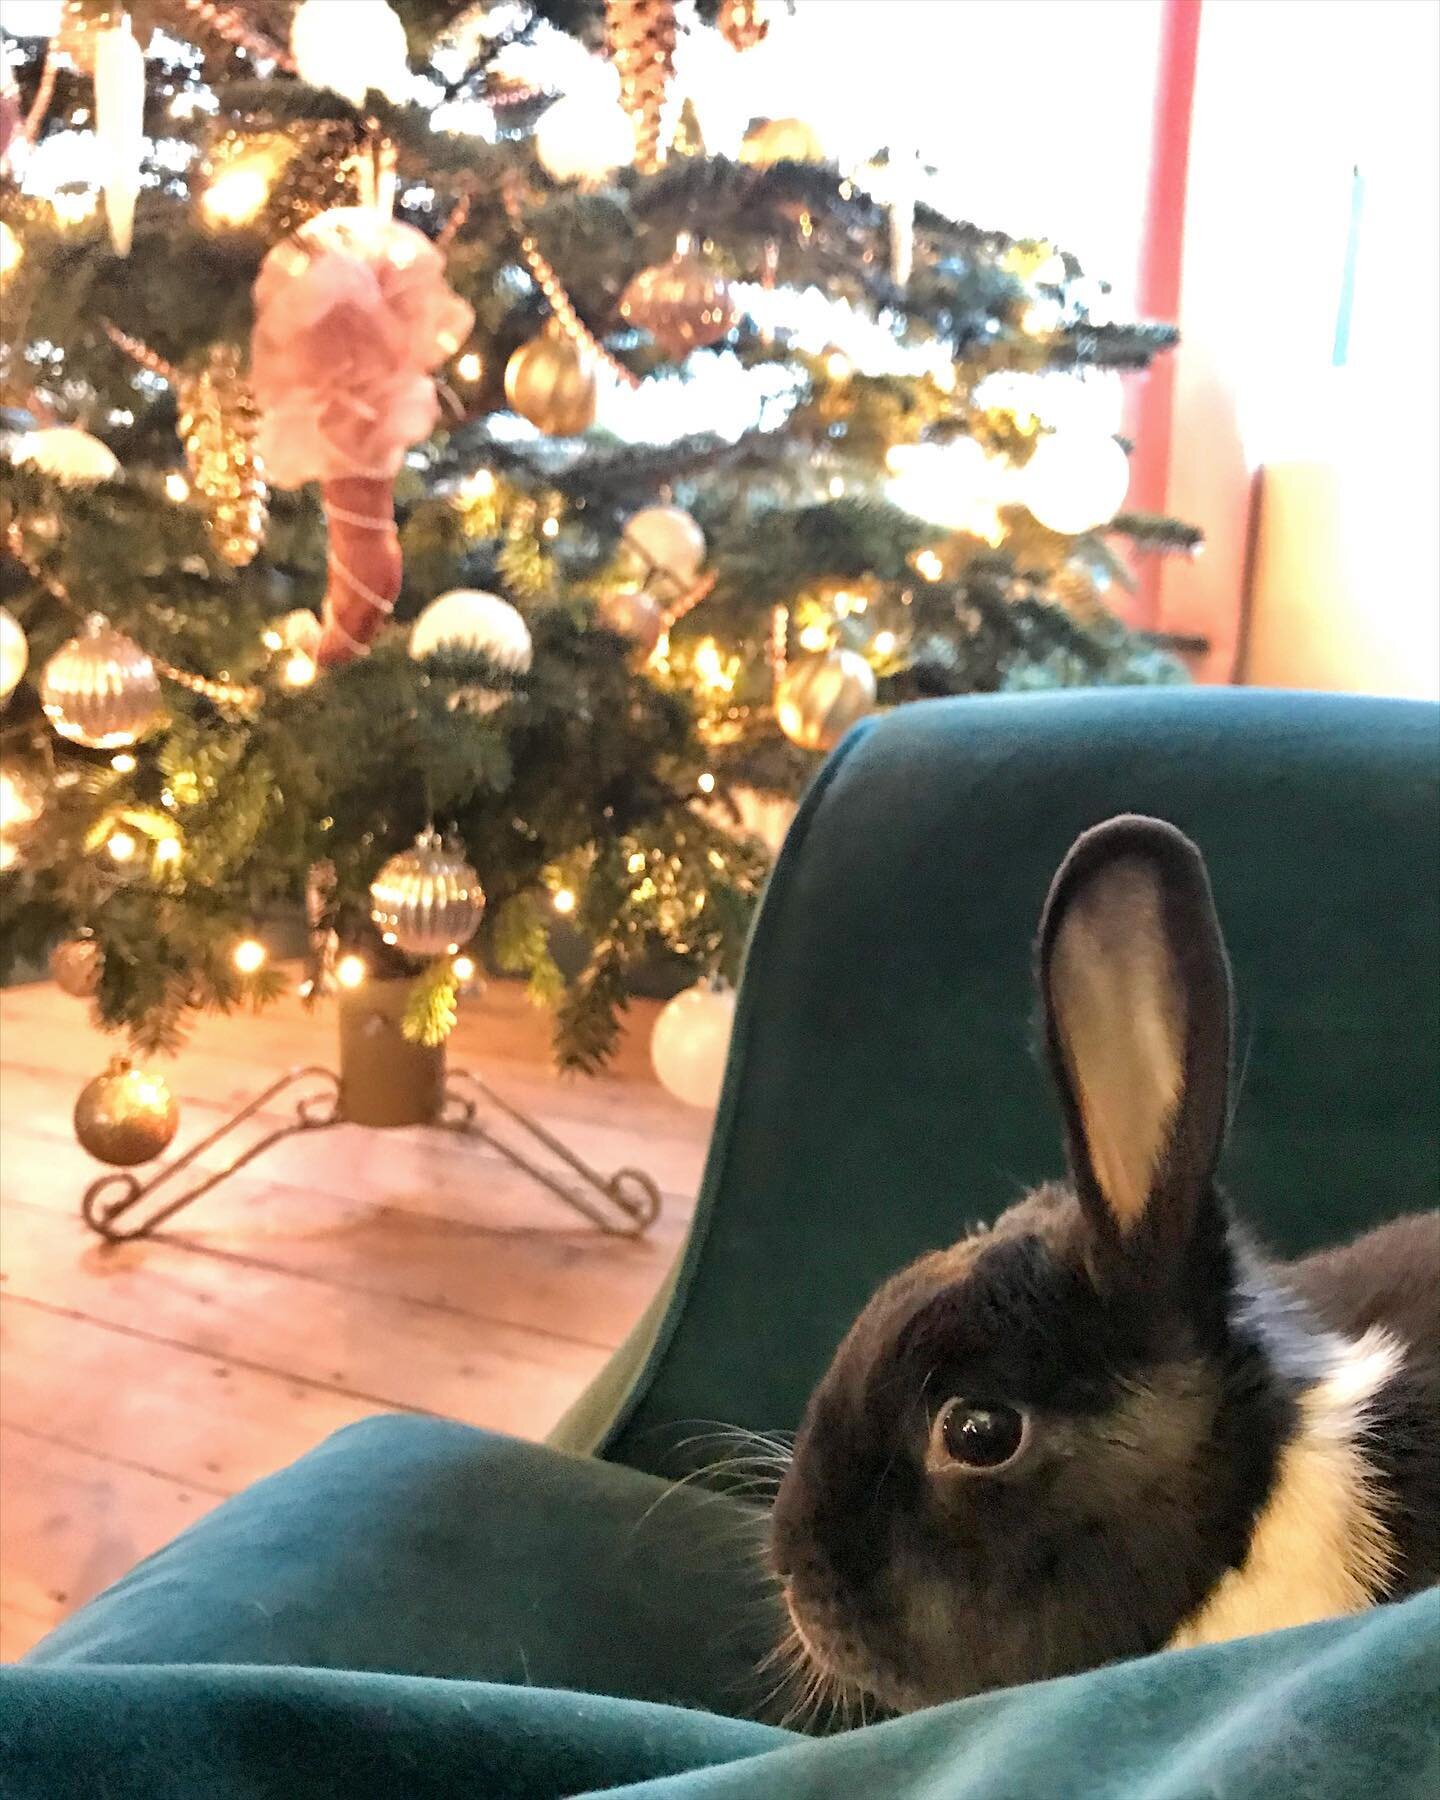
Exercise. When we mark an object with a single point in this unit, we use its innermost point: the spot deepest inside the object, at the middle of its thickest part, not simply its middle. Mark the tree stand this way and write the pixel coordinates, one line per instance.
(384, 1081)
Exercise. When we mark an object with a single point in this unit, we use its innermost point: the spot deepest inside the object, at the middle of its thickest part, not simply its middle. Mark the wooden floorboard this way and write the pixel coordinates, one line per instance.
(342, 1274)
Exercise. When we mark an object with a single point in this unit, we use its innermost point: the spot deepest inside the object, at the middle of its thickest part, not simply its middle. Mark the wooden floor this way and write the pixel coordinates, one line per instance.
(340, 1275)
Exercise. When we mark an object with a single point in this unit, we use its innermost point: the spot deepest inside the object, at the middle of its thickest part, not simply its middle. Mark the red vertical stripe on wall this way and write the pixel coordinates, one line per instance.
(1158, 293)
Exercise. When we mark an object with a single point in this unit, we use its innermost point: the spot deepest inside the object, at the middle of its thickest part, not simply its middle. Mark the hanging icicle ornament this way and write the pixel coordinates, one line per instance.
(217, 421)
(101, 689)
(352, 314)
(120, 126)
(427, 901)
(684, 304)
(640, 39)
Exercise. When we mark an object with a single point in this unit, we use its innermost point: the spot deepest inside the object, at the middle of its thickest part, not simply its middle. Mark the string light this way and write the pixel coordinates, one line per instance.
(463, 968)
(884, 643)
(298, 669)
(710, 667)
(706, 783)
(122, 846)
(563, 900)
(12, 251)
(479, 485)
(73, 206)
(837, 486)
(814, 637)
(177, 488)
(123, 764)
(550, 528)
(928, 564)
(248, 956)
(838, 366)
(237, 195)
(167, 852)
(470, 366)
(636, 861)
(350, 971)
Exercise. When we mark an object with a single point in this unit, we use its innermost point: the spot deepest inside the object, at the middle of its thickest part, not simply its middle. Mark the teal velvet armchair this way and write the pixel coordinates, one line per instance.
(421, 1609)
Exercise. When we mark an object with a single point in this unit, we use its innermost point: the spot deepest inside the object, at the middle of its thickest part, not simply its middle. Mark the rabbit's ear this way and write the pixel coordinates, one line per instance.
(1136, 989)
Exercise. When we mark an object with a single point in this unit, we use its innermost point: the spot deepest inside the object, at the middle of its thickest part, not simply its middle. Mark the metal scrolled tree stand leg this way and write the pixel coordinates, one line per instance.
(384, 1081)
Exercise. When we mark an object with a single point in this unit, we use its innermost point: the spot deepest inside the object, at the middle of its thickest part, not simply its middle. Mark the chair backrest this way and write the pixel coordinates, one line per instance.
(884, 1088)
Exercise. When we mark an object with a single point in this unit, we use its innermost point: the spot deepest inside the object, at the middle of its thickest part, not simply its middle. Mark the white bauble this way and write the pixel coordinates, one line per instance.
(14, 653)
(1075, 481)
(585, 136)
(67, 453)
(470, 619)
(690, 1042)
(668, 546)
(350, 47)
(944, 483)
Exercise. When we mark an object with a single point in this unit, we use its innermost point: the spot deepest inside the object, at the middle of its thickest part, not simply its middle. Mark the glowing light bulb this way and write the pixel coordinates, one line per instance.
(550, 529)
(710, 667)
(123, 764)
(563, 900)
(470, 366)
(838, 366)
(73, 206)
(248, 956)
(298, 670)
(237, 195)
(12, 251)
(837, 486)
(272, 640)
(706, 783)
(884, 643)
(463, 968)
(122, 846)
(479, 485)
(177, 488)
(167, 852)
(928, 564)
(350, 971)
(814, 637)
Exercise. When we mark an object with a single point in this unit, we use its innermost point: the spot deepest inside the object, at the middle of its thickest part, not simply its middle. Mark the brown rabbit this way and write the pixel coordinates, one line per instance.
(1108, 1424)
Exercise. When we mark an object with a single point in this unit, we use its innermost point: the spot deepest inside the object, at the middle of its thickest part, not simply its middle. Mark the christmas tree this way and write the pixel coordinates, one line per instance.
(440, 487)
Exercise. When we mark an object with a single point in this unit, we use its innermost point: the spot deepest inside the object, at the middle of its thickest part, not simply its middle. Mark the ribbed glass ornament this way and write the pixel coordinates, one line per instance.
(101, 689)
(427, 901)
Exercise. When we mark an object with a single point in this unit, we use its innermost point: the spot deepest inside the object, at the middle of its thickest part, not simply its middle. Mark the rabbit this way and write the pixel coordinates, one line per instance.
(1107, 1424)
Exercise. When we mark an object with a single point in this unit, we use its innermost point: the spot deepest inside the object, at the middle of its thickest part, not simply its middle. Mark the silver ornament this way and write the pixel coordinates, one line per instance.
(820, 697)
(101, 689)
(427, 901)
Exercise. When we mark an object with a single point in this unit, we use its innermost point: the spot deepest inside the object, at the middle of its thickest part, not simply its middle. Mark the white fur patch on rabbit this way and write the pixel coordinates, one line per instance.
(1319, 1549)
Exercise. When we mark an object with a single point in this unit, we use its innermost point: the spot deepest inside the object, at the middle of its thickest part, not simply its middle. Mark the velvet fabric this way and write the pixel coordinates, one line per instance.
(420, 1609)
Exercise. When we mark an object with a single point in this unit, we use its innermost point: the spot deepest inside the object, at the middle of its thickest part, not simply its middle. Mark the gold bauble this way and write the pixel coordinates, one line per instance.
(781, 140)
(217, 423)
(634, 614)
(427, 901)
(820, 697)
(75, 965)
(22, 800)
(125, 1116)
(551, 382)
(742, 23)
(684, 305)
(101, 689)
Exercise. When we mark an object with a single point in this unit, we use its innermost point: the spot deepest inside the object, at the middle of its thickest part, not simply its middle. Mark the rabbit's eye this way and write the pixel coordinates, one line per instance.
(977, 1435)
